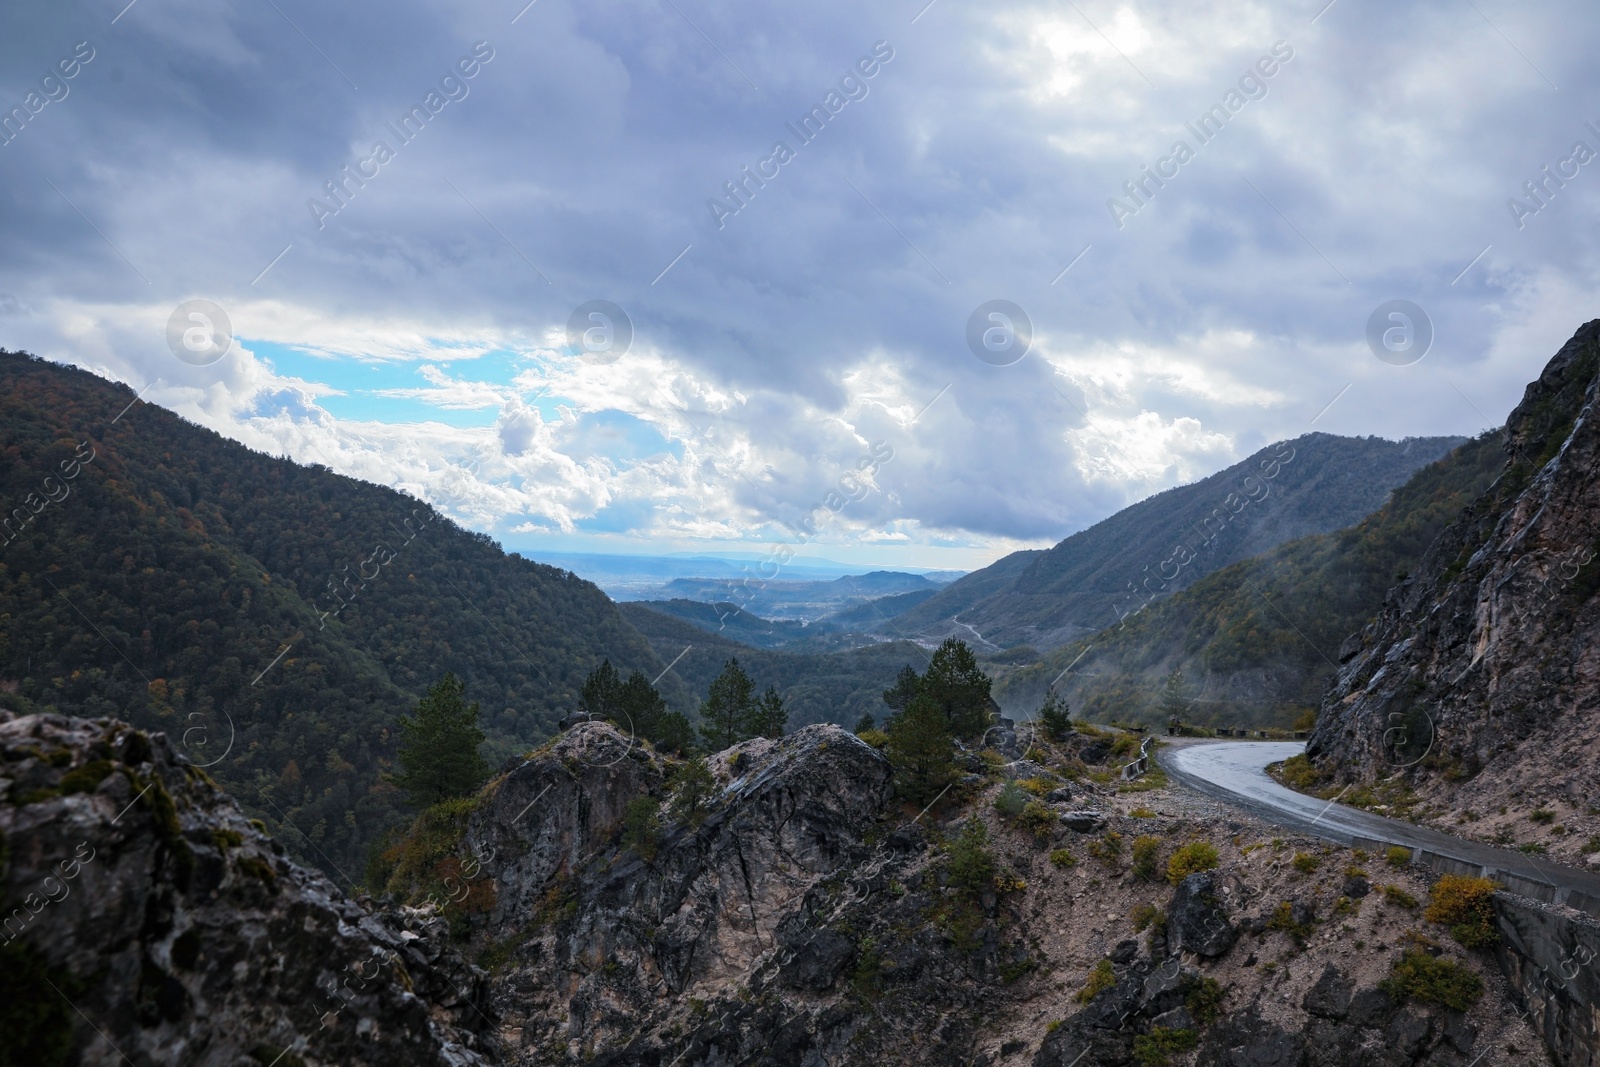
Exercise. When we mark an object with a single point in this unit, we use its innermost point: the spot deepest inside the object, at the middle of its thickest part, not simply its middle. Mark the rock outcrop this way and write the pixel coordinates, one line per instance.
(146, 920)
(1480, 678)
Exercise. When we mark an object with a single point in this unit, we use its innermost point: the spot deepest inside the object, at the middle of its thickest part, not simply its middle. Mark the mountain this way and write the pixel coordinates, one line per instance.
(1316, 483)
(156, 571)
(787, 599)
(1256, 639)
(1478, 684)
(729, 621)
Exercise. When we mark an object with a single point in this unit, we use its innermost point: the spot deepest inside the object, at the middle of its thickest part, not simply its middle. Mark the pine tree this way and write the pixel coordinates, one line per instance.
(599, 694)
(906, 685)
(1055, 718)
(673, 733)
(956, 683)
(1175, 698)
(768, 716)
(439, 747)
(638, 707)
(865, 723)
(725, 713)
(920, 751)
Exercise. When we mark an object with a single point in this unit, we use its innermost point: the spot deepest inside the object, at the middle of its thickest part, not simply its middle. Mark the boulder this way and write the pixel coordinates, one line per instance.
(1197, 918)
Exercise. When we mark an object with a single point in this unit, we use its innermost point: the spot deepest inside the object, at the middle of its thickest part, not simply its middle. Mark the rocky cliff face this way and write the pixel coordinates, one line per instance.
(146, 920)
(1478, 680)
(800, 916)
(792, 915)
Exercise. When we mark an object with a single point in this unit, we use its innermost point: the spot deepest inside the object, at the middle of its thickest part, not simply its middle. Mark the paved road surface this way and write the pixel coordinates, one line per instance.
(1234, 771)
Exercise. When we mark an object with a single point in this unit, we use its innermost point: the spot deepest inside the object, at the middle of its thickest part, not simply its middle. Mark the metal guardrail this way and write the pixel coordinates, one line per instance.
(1130, 771)
(1533, 889)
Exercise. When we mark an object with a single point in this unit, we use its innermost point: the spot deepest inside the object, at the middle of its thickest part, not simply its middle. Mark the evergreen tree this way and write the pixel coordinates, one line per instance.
(920, 750)
(1175, 699)
(725, 714)
(959, 687)
(768, 717)
(599, 694)
(439, 747)
(1055, 718)
(639, 707)
(865, 723)
(905, 688)
(673, 733)
(692, 786)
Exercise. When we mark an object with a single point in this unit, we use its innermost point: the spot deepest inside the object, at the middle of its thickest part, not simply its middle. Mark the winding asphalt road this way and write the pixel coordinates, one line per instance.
(1235, 772)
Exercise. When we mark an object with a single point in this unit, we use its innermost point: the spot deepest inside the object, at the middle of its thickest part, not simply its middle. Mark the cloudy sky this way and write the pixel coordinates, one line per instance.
(400, 207)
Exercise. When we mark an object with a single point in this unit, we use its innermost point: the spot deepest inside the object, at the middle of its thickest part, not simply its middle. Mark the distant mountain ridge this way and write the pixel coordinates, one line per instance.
(1313, 484)
(1256, 639)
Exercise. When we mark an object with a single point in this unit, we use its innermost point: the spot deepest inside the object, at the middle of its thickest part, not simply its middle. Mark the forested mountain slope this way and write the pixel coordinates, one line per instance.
(1257, 640)
(1313, 484)
(157, 572)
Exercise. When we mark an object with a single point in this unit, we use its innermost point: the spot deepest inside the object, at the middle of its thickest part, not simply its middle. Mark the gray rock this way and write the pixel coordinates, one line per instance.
(1355, 887)
(1245, 1039)
(187, 937)
(1197, 918)
(1084, 822)
(1370, 1008)
(1330, 996)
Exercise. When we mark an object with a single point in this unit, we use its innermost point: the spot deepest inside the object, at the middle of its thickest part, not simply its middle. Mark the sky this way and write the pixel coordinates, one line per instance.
(901, 284)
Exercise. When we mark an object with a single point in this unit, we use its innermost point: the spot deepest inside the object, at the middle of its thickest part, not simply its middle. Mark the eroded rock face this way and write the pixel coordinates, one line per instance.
(614, 944)
(144, 911)
(1481, 671)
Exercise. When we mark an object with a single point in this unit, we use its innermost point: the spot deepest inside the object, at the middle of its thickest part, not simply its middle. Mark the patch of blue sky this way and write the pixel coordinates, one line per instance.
(359, 385)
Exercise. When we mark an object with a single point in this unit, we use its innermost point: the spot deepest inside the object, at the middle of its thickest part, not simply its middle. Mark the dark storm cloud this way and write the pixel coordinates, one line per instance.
(974, 164)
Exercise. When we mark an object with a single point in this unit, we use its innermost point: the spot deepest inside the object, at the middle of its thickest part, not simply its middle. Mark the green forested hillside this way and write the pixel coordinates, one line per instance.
(175, 566)
(818, 687)
(1313, 484)
(1257, 641)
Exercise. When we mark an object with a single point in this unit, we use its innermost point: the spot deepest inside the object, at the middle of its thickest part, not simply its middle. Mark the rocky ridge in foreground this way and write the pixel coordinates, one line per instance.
(148, 921)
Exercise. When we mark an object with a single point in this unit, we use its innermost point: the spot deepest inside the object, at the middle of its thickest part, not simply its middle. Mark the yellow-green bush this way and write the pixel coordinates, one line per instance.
(1190, 859)
(1464, 905)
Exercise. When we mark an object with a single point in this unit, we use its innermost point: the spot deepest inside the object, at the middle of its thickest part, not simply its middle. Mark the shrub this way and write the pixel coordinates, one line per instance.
(1061, 858)
(1147, 858)
(1306, 863)
(1397, 855)
(1543, 816)
(1442, 981)
(972, 864)
(1395, 895)
(693, 785)
(1039, 819)
(878, 739)
(1147, 915)
(1141, 812)
(1108, 849)
(1190, 859)
(1101, 978)
(1204, 1001)
(1464, 905)
(1037, 786)
(1297, 772)
(1283, 919)
(641, 827)
(1011, 800)
(1157, 1048)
